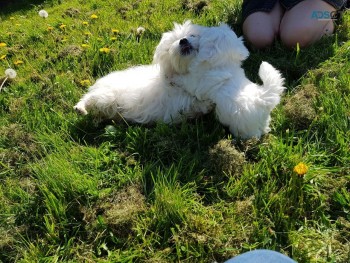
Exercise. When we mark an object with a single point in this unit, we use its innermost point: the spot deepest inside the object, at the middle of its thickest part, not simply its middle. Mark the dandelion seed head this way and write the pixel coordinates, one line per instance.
(43, 13)
(10, 73)
(140, 30)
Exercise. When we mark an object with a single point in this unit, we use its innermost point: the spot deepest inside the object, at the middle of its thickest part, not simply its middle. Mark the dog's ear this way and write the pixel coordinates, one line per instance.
(221, 43)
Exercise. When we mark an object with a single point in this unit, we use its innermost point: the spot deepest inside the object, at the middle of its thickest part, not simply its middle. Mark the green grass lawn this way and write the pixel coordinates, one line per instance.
(120, 192)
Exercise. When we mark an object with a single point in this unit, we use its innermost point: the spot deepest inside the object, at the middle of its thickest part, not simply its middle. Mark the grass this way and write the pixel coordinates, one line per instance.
(120, 192)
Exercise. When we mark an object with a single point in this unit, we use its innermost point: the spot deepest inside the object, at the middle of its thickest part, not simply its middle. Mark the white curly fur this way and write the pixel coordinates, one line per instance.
(146, 93)
(194, 68)
(216, 75)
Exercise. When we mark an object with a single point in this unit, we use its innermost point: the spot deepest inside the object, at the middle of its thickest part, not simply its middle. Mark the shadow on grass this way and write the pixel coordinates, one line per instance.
(182, 149)
(8, 7)
(293, 64)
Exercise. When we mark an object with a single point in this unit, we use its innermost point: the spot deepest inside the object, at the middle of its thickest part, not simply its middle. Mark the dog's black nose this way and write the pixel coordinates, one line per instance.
(184, 41)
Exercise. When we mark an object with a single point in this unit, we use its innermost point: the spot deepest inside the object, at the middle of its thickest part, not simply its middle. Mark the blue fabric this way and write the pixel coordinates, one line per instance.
(261, 256)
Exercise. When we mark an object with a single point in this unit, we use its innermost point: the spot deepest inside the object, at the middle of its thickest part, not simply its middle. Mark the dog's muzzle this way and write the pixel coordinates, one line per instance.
(185, 47)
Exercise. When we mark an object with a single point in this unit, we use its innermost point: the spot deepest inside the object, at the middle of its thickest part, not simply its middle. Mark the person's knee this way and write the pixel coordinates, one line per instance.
(259, 38)
(304, 35)
(297, 26)
(291, 37)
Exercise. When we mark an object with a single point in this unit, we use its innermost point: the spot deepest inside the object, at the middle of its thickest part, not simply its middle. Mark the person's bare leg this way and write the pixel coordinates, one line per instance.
(299, 26)
(261, 28)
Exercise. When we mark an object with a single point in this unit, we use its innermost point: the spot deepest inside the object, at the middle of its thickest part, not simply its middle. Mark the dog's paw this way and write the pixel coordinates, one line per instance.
(80, 109)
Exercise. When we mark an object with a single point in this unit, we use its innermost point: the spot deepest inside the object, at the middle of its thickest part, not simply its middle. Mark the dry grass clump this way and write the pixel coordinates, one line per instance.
(20, 145)
(71, 50)
(312, 245)
(299, 108)
(117, 211)
(196, 6)
(72, 12)
(225, 158)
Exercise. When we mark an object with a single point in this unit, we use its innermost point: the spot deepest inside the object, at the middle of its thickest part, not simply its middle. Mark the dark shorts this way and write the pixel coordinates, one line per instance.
(252, 6)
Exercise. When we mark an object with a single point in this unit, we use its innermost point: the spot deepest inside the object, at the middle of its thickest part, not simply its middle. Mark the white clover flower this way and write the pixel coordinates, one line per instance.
(10, 73)
(43, 13)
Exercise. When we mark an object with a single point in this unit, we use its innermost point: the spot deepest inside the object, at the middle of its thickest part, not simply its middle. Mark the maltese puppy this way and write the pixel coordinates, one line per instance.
(215, 74)
(147, 93)
(195, 69)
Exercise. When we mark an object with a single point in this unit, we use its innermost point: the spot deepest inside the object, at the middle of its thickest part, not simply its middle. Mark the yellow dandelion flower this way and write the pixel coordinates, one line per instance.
(2, 57)
(2, 44)
(113, 38)
(85, 23)
(301, 169)
(18, 62)
(49, 28)
(105, 50)
(85, 82)
(93, 16)
(85, 45)
(87, 34)
(115, 31)
(63, 26)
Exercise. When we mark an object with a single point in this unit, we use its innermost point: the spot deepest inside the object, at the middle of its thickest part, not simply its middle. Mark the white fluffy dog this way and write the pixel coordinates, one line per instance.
(216, 75)
(146, 93)
(195, 69)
